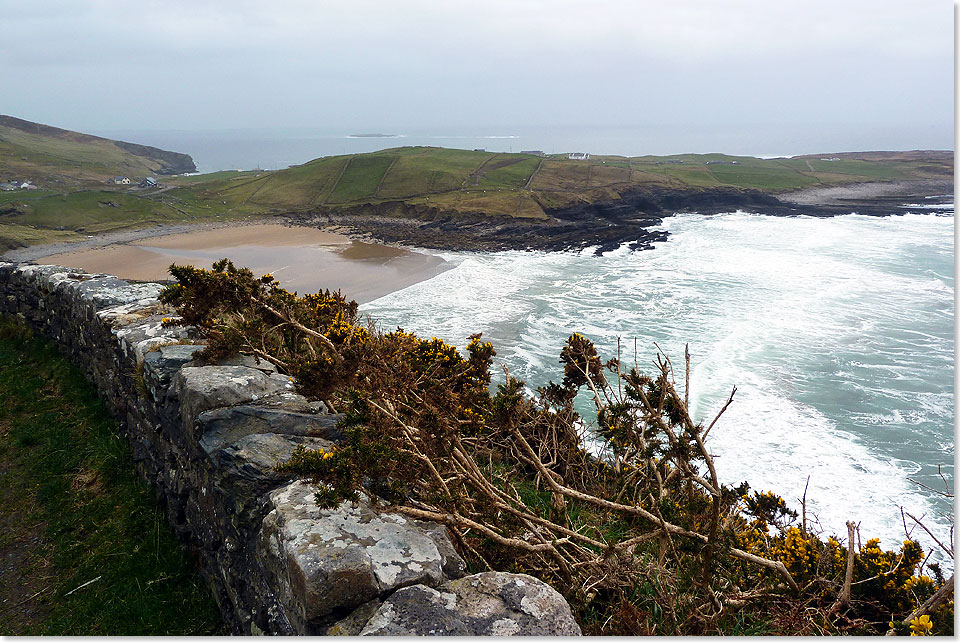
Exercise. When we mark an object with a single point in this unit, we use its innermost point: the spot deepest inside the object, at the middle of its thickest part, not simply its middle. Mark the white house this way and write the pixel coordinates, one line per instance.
(579, 156)
(121, 180)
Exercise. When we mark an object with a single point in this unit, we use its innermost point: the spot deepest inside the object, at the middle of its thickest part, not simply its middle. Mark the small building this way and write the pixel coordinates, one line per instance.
(535, 152)
(27, 185)
(148, 182)
(121, 180)
(579, 156)
(479, 149)
(8, 187)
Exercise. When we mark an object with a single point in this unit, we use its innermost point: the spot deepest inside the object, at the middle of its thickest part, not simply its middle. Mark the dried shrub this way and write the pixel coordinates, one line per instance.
(638, 532)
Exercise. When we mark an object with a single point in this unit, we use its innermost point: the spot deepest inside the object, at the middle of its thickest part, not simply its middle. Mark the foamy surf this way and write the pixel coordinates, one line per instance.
(837, 332)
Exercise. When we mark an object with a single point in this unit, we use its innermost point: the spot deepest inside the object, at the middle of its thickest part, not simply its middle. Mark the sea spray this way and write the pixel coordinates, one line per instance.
(837, 332)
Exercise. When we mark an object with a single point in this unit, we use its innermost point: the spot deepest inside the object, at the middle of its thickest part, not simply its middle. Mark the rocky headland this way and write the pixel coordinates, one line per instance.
(606, 225)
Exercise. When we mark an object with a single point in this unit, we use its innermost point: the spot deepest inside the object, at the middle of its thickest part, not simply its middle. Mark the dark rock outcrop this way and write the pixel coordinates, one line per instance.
(633, 218)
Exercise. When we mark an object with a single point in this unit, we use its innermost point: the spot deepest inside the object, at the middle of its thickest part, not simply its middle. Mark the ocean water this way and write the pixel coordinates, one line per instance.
(277, 148)
(838, 333)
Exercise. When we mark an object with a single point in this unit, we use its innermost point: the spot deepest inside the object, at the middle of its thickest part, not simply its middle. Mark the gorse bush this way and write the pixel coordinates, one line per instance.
(636, 531)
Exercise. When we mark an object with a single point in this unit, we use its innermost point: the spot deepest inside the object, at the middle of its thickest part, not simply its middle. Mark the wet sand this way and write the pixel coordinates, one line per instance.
(301, 258)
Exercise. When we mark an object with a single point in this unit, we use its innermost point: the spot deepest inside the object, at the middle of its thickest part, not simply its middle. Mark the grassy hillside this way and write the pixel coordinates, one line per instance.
(522, 185)
(59, 158)
(452, 181)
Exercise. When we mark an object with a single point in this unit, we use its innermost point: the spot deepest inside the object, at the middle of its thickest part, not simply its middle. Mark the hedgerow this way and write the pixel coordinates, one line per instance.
(626, 518)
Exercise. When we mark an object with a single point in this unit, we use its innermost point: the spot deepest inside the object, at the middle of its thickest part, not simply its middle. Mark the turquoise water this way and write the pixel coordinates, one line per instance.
(838, 333)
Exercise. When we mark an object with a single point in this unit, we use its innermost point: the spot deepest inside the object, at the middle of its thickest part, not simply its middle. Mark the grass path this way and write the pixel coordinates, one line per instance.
(336, 181)
(84, 549)
(376, 192)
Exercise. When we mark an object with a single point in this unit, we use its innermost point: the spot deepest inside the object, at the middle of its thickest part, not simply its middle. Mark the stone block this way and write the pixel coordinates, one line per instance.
(326, 562)
(140, 338)
(161, 366)
(478, 605)
(225, 425)
(246, 469)
(209, 387)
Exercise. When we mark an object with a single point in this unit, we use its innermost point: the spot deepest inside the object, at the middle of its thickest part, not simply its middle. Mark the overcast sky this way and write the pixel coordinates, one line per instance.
(380, 65)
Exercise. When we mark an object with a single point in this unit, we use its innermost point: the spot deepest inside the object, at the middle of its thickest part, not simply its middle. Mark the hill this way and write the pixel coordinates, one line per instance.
(59, 158)
(428, 195)
(526, 186)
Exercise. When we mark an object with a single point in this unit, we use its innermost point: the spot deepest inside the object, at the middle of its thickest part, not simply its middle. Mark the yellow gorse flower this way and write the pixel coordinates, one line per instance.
(920, 625)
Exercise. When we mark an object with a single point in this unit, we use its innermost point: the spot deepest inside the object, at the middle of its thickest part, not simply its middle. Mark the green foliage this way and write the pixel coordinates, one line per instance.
(70, 476)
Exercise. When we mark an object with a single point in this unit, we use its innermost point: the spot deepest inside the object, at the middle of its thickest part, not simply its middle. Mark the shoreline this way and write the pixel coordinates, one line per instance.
(303, 260)
(632, 219)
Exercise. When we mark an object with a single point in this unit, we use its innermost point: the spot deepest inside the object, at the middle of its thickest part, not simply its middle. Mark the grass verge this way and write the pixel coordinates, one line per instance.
(74, 513)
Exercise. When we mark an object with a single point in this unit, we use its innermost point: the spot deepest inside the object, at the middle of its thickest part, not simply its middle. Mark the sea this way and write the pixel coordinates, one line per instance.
(277, 148)
(838, 333)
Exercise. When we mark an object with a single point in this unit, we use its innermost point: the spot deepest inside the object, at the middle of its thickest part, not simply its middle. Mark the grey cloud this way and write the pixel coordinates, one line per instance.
(115, 64)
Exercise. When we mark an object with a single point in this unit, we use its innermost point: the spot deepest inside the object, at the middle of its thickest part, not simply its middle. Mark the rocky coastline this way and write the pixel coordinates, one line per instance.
(632, 219)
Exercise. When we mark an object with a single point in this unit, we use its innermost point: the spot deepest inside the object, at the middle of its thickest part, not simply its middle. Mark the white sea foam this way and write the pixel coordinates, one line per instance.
(837, 332)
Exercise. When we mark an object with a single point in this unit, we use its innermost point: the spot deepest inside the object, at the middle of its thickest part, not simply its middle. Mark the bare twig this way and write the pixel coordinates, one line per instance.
(948, 551)
(946, 493)
(82, 585)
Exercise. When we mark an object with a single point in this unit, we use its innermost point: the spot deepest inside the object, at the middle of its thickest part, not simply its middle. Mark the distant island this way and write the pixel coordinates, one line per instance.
(57, 185)
(372, 136)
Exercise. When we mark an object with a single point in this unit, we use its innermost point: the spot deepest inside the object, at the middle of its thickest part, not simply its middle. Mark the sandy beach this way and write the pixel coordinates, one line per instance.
(303, 259)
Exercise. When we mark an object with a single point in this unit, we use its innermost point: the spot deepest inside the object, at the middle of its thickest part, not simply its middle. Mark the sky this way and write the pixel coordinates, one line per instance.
(379, 65)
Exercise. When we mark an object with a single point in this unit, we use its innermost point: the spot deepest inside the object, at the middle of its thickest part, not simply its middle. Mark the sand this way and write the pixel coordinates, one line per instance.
(303, 259)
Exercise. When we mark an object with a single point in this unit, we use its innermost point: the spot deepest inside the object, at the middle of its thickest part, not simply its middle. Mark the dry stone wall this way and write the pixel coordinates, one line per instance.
(208, 438)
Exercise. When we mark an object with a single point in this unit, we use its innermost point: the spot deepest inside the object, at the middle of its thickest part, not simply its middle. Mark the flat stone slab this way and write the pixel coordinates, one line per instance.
(208, 387)
(160, 366)
(147, 334)
(104, 290)
(329, 561)
(246, 468)
(480, 605)
(225, 425)
(247, 360)
(129, 313)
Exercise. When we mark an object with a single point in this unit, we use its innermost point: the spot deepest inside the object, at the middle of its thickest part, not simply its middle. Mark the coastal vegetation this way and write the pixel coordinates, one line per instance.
(85, 549)
(628, 520)
(76, 195)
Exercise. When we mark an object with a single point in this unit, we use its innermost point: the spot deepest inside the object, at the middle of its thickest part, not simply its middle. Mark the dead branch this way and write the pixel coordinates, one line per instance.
(942, 596)
(948, 551)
